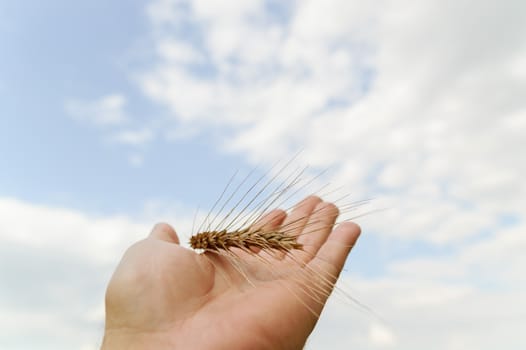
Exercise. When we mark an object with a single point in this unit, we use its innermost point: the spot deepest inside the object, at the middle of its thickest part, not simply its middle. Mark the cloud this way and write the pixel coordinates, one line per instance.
(66, 230)
(407, 102)
(134, 137)
(420, 104)
(108, 113)
(105, 111)
(472, 298)
(174, 51)
(381, 336)
(55, 263)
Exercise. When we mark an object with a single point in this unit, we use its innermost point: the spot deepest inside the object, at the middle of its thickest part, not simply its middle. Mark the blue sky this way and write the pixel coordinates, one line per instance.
(115, 115)
(57, 51)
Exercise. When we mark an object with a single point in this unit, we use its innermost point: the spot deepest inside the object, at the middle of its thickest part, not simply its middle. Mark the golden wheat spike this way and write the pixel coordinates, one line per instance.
(244, 239)
(236, 232)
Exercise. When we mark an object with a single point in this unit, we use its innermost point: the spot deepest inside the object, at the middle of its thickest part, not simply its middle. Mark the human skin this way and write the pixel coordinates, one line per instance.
(164, 296)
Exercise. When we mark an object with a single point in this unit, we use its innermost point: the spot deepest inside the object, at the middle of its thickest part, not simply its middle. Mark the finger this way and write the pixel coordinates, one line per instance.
(164, 232)
(333, 253)
(296, 220)
(317, 229)
(270, 221)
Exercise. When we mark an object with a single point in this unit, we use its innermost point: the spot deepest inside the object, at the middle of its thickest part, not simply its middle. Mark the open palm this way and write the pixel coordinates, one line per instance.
(163, 295)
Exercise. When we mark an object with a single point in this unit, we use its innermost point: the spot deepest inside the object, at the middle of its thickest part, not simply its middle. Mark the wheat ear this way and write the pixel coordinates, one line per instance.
(244, 239)
(223, 232)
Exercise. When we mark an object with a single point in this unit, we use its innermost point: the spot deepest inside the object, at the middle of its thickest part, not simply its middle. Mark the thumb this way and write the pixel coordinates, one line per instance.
(164, 232)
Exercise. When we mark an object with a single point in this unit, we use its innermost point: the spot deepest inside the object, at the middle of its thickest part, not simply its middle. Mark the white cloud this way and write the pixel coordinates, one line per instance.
(66, 230)
(419, 103)
(54, 266)
(55, 263)
(473, 298)
(481, 319)
(107, 110)
(381, 336)
(134, 137)
(171, 50)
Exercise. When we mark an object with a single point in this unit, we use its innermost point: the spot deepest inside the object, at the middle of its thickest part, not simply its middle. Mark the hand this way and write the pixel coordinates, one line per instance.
(164, 296)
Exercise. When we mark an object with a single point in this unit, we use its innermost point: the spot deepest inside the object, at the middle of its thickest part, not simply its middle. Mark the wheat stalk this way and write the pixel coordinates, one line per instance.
(225, 232)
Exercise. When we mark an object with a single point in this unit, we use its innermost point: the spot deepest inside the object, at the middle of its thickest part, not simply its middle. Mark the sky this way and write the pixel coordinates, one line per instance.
(116, 115)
